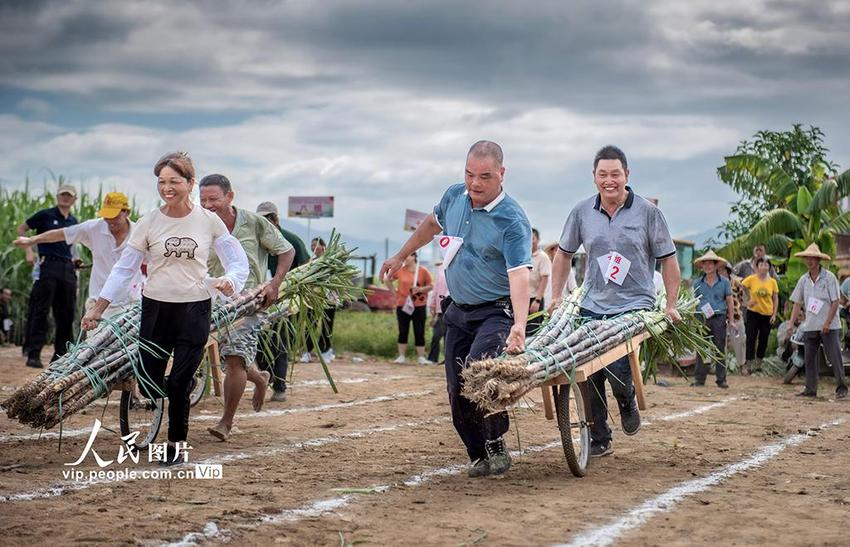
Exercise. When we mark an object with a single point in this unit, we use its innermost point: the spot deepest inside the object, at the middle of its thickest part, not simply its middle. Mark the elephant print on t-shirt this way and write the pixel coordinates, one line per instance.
(176, 246)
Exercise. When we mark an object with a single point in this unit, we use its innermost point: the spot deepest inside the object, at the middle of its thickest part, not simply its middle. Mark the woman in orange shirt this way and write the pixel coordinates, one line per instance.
(414, 282)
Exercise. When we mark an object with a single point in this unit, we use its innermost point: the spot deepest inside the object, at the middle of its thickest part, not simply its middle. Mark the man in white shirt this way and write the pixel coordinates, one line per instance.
(106, 237)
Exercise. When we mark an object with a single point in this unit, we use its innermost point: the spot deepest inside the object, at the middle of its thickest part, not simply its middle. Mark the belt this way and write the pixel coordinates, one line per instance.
(51, 258)
(501, 302)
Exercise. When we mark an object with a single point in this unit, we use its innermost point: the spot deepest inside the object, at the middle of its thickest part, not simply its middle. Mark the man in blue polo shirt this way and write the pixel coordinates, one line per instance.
(56, 282)
(715, 312)
(624, 235)
(486, 245)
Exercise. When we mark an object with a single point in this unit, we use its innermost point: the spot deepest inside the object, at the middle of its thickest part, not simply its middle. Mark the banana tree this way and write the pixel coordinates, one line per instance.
(806, 213)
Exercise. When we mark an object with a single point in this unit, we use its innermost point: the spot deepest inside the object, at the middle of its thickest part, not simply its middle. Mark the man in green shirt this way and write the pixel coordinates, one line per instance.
(280, 364)
(239, 351)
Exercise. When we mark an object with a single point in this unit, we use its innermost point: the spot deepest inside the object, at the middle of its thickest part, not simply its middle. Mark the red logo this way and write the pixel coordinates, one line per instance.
(444, 241)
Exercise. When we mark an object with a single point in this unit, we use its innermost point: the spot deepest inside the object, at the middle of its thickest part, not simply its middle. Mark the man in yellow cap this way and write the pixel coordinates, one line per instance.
(817, 293)
(105, 237)
(55, 281)
(715, 311)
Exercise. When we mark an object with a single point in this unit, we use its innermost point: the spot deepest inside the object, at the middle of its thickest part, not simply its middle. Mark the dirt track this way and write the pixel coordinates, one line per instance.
(381, 464)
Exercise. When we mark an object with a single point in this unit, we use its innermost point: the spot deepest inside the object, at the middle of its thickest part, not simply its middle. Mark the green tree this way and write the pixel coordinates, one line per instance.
(795, 195)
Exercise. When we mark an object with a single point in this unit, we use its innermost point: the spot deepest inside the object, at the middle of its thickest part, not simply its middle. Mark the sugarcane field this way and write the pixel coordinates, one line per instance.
(424, 273)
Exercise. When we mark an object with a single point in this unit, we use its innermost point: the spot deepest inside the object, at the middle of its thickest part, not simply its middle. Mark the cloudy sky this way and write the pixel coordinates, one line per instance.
(376, 102)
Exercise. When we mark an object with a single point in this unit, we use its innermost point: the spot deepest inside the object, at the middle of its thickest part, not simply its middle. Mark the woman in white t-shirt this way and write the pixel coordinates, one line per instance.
(175, 242)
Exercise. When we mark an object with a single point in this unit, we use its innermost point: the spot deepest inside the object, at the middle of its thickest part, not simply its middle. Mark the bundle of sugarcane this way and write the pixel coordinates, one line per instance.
(566, 342)
(110, 355)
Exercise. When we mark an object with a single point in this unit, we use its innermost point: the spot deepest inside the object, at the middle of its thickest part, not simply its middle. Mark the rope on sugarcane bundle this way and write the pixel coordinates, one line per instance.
(110, 355)
(567, 342)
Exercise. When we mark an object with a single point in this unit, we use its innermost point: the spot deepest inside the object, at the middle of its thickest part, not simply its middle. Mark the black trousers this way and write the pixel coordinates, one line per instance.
(717, 326)
(326, 338)
(437, 335)
(418, 320)
(279, 365)
(757, 328)
(473, 335)
(55, 289)
(180, 328)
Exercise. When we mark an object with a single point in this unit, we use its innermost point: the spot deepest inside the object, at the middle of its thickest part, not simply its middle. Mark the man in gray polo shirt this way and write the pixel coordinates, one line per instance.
(817, 293)
(623, 235)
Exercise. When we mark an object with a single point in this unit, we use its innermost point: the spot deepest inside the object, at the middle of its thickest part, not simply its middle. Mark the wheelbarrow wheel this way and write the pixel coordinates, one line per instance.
(572, 423)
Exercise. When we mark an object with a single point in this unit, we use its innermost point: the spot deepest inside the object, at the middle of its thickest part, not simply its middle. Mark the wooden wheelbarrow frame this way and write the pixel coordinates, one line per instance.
(574, 425)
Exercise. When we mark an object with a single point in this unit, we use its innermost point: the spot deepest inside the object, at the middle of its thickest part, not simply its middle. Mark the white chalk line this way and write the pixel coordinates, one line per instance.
(209, 417)
(316, 508)
(694, 411)
(666, 501)
(67, 486)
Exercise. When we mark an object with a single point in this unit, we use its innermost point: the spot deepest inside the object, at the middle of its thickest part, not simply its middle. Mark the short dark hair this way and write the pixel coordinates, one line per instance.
(487, 149)
(610, 152)
(216, 180)
(535, 232)
(319, 241)
(760, 260)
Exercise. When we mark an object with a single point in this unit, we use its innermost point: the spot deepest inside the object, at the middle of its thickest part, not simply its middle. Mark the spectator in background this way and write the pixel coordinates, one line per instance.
(746, 268)
(5, 316)
(817, 293)
(279, 365)
(438, 295)
(762, 306)
(571, 279)
(414, 284)
(715, 312)
(56, 283)
(538, 280)
(736, 337)
(325, 340)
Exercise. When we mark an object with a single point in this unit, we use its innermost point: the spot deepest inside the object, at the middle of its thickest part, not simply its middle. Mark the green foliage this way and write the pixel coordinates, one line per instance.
(372, 333)
(15, 207)
(768, 169)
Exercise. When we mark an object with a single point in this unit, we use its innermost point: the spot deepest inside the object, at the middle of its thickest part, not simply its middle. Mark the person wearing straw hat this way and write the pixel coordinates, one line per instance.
(106, 237)
(817, 292)
(55, 285)
(715, 312)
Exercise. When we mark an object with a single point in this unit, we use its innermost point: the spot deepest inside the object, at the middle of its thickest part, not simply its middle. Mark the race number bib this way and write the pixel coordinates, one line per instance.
(707, 310)
(448, 247)
(814, 305)
(615, 267)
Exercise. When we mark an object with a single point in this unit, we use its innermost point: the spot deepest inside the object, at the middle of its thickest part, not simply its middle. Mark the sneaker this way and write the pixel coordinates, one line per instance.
(305, 357)
(34, 362)
(479, 468)
(500, 460)
(328, 356)
(696, 384)
(400, 360)
(170, 457)
(723, 385)
(424, 361)
(807, 394)
(630, 419)
(841, 394)
(601, 449)
(278, 397)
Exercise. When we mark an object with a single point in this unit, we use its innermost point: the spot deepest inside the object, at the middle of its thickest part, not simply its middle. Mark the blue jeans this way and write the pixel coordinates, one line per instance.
(619, 375)
(470, 336)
